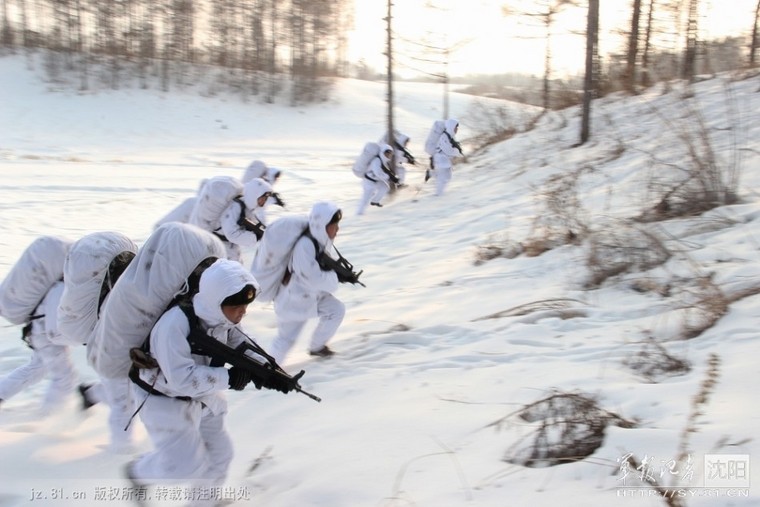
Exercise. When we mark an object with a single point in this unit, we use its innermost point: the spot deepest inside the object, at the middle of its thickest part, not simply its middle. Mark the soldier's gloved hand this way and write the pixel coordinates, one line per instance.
(239, 378)
(347, 277)
(279, 383)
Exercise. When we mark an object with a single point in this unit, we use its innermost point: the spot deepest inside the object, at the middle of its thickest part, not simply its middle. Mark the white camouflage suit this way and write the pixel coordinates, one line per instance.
(189, 437)
(87, 271)
(237, 236)
(258, 169)
(442, 159)
(402, 140)
(376, 182)
(50, 356)
(308, 294)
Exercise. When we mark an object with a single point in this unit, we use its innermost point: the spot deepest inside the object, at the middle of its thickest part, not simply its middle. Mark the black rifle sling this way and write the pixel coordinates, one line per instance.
(388, 171)
(341, 266)
(454, 143)
(195, 327)
(406, 153)
(197, 334)
(243, 221)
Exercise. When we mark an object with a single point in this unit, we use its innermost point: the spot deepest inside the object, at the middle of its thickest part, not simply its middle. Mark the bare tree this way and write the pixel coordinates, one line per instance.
(754, 42)
(6, 30)
(271, 59)
(633, 47)
(545, 11)
(389, 36)
(646, 78)
(692, 39)
(592, 59)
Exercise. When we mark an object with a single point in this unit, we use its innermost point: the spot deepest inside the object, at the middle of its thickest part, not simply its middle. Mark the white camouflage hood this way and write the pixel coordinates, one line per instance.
(451, 125)
(253, 190)
(220, 280)
(320, 215)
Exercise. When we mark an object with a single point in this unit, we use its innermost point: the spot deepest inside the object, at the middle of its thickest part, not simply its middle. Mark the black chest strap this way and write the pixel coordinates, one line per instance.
(195, 332)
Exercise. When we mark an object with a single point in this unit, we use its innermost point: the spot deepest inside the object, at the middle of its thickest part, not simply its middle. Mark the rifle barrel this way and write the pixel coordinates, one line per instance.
(312, 396)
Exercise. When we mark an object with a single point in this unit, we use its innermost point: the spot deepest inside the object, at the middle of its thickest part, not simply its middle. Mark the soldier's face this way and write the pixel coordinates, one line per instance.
(234, 313)
(332, 230)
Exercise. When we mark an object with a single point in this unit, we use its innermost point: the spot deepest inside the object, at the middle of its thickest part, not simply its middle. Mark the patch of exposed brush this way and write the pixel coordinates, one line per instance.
(497, 245)
(567, 427)
(622, 248)
(562, 219)
(654, 363)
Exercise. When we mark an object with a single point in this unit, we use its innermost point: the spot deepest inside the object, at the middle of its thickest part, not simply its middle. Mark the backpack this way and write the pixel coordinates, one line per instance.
(213, 199)
(431, 143)
(256, 169)
(273, 254)
(164, 268)
(181, 213)
(361, 165)
(37, 270)
(92, 266)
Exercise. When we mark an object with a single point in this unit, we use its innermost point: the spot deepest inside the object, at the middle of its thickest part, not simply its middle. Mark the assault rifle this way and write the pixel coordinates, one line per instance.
(244, 222)
(278, 200)
(258, 228)
(268, 374)
(341, 266)
(391, 174)
(454, 143)
(406, 153)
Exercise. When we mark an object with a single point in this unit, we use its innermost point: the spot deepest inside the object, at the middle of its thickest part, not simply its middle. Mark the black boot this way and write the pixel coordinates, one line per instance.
(323, 352)
(139, 491)
(86, 401)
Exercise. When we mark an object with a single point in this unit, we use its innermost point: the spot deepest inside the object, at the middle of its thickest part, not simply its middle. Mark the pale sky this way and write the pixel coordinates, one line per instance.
(492, 43)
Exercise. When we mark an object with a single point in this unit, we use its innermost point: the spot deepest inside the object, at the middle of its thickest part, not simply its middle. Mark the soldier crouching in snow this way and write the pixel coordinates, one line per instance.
(377, 180)
(446, 150)
(29, 296)
(312, 276)
(184, 408)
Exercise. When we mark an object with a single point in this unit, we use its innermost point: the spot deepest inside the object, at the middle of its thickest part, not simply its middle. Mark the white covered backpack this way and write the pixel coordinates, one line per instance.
(92, 266)
(158, 273)
(361, 165)
(37, 270)
(436, 131)
(273, 254)
(217, 193)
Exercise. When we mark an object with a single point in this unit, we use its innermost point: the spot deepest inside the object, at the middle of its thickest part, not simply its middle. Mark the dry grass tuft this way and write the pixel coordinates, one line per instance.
(621, 249)
(654, 363)
(568, 427)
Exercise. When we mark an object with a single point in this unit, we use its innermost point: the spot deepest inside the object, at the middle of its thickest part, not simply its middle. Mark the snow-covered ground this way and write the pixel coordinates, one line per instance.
(439, 353)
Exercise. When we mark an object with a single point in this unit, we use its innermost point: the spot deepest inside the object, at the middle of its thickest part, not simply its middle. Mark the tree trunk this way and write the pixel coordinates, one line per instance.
(754, 43)
(389, 35)
(590, 80)
(547, 61)
(633, 47)
(646, 78)
(690, 52)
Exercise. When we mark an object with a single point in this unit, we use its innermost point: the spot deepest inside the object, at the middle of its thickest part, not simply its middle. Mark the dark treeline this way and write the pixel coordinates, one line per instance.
(252, 47)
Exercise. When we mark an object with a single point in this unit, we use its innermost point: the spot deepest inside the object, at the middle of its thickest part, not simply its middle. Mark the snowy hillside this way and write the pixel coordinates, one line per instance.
(520, 380)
